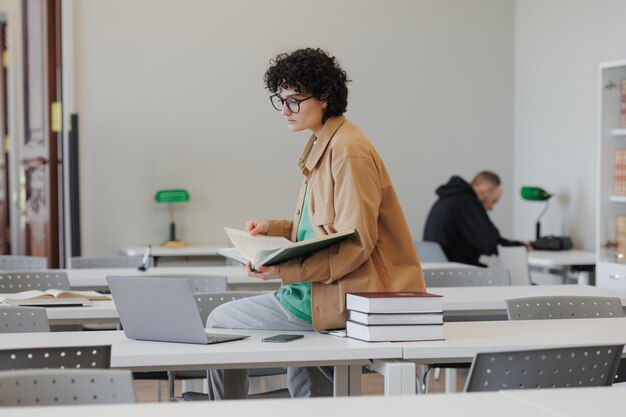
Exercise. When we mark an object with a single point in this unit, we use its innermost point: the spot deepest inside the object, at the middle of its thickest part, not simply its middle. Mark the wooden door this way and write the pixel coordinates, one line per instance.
(41, 153)
(5, 220)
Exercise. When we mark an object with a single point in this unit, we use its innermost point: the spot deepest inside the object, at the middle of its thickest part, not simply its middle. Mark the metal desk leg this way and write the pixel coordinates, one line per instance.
(347, 380)
(450, 382)
(399, 376)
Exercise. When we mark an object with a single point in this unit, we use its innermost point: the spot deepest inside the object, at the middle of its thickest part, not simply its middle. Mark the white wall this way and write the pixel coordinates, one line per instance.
(558, 45)
(170, 94)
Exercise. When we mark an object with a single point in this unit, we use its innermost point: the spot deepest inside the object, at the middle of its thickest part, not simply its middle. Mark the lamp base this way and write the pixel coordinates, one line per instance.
(174, 244)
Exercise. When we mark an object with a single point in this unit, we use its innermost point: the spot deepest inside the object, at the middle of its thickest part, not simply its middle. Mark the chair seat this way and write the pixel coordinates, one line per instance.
(201, 396)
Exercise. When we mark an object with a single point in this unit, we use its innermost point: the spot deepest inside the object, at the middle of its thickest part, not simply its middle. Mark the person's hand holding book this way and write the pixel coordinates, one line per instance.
(260, 227)
(257, 227)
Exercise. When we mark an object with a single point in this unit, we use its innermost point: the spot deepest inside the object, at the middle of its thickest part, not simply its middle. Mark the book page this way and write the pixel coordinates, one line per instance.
(25, 295)
(89, 295)
(251, 246)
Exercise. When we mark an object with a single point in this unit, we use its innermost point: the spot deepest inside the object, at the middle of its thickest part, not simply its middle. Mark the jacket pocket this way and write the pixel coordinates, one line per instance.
(323, 215)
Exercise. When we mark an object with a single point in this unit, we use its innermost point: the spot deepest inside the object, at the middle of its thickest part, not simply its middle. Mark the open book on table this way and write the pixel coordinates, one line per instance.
(270, 250)
(54, 294)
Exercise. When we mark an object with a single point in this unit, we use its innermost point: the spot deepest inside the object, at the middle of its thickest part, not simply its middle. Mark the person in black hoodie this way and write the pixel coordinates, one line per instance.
(458, 221)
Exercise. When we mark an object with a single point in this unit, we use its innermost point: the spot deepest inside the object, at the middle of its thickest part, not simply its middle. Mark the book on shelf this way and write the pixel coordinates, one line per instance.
(373, 319)
(394, 302)
(622, 115)
(390, 333)
(619, 172)
(270, 250)
(620, 233)
(52, 297)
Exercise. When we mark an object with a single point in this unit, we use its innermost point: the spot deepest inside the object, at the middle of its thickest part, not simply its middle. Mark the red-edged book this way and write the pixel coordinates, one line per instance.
(394, 302)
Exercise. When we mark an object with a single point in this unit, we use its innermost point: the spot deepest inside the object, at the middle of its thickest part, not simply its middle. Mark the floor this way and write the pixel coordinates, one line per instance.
(372, 385)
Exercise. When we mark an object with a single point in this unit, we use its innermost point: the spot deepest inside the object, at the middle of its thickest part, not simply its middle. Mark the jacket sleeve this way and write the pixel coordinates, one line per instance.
(280, 228)
(477, 229)
(357, 198)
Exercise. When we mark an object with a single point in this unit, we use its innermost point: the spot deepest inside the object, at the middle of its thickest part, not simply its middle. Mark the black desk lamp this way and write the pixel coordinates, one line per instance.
(537, 194)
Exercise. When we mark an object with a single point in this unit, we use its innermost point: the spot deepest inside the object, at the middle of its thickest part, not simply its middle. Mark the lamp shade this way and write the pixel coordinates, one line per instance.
(172, 196)
(535, 194)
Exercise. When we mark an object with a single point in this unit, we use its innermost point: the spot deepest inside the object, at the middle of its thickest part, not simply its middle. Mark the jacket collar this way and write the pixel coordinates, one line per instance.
(311, 155)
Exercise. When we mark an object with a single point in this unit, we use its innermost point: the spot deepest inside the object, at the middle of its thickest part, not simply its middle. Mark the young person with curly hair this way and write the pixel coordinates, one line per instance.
(345, 186)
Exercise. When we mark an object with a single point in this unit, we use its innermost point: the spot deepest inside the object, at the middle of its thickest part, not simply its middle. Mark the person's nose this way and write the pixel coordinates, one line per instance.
(285, 111)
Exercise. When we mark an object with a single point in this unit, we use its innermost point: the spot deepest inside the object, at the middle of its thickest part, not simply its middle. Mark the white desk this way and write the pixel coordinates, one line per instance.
(188, 255)
(237, 278)
(315, 349)
(464, 340)
(488, 303)
(459, 303)
(236, 275)
(474, 405)
(545, 260)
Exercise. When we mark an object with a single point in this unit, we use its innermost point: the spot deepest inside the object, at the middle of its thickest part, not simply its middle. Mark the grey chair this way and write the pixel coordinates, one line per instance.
(201, 283)
(589, 366)
(81, 262)
(77, 357)
(563, 307)
(65, 387)
(568, 307)
(466, 277)
(207, 302)
(430, 251)
(17, 281)
(23, 320)
(23, 263)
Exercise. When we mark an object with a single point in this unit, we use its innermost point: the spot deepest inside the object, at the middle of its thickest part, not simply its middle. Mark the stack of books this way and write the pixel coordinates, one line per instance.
(394, 316)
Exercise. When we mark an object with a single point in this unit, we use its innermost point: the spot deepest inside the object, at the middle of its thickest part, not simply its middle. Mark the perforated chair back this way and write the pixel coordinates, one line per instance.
(23, 263)
(430, 251)
(515, 259)
(23, 320)
(12, 282)
(201, 283)
(106, 262)
(466, 277)
(563, 307)
(76, 357)
(589, 366)
(208, 301)
(66, 387)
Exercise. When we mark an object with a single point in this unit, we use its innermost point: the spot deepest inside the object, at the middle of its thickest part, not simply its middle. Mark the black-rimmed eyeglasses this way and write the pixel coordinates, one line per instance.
(293, 104)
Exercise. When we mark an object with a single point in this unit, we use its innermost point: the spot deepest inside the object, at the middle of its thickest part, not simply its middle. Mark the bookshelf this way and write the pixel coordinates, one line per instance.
(611, 186)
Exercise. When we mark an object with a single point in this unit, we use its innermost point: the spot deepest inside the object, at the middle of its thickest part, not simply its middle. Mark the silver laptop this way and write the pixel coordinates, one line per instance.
(161, 309)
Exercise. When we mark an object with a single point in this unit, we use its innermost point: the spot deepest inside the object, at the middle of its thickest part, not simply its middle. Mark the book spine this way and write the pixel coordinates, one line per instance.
(619, 172)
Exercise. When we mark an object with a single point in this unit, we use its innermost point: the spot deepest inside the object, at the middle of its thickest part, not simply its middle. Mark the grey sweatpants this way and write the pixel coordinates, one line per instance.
(263, 312)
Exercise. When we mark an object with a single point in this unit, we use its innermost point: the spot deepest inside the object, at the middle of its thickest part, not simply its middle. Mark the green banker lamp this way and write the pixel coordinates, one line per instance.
(171, 197)
(537, 194)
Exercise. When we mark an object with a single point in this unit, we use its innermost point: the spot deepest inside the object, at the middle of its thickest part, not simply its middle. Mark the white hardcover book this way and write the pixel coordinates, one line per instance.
(389, 333)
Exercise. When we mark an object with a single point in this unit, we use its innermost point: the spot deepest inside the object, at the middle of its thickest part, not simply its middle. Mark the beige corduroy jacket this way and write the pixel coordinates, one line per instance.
(349, 189)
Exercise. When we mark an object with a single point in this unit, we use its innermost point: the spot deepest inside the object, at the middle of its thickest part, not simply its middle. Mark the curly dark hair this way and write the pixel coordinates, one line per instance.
(311, 71)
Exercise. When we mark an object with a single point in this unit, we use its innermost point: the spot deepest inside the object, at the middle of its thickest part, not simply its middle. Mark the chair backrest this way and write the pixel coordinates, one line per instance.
(11, 282)
(201, 283)
(80, 262)
(65, 387)
(430, 251)
(83, 357)
(587, 366)
(23, 320)
(515, 259)
(207, 302)
(466, 277)
(23, 263)
(563, 307)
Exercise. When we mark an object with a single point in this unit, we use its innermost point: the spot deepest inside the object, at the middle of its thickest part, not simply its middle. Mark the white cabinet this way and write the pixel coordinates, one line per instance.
(610, 263)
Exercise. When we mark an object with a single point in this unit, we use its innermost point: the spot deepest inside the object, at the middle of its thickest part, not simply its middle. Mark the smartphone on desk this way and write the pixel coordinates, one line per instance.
(282, 338)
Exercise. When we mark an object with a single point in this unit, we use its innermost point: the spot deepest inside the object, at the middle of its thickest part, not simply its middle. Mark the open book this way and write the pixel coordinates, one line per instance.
(270, 250)
(54, 294)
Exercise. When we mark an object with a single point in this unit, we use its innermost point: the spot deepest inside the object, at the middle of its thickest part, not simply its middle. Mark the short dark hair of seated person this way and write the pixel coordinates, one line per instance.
(459, 222)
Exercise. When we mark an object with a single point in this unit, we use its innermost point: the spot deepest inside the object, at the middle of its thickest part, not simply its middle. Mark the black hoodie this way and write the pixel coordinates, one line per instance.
(460, 224)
